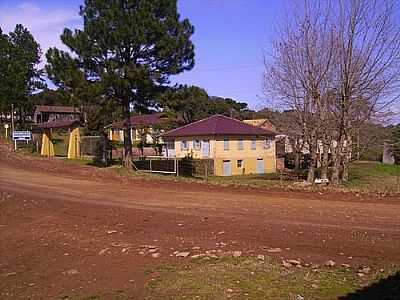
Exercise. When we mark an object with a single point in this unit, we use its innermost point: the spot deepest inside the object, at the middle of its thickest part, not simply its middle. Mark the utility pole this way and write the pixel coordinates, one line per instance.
(12, 126)
(12, 119)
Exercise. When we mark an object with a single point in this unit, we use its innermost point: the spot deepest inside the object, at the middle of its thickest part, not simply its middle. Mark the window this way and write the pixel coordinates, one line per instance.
(184, 145)
(171, 145)
(240, 163)
(240, 144)
(196, 144)
(226, 144)
(267, 144)
(254, 144)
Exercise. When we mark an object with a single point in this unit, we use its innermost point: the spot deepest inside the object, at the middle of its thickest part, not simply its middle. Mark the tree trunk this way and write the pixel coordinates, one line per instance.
(313, 161)
(325, 160)
(20, 121)
(127, 155)
(336, 158)
(297, 160)
(347, 159)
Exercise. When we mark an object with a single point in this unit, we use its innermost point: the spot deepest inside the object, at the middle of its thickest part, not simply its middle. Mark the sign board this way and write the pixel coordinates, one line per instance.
(22, 135)
(6, 126)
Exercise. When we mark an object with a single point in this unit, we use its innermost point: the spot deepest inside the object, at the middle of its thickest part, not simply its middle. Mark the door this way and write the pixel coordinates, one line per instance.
(227, 171)
(170, 149)
(206, 148)
(260, 166)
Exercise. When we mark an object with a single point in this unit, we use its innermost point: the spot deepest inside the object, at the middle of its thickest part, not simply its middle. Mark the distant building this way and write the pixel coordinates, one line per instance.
(235, 147)
(388, 155)
(142, 127)
(46, 113)
(263, 123)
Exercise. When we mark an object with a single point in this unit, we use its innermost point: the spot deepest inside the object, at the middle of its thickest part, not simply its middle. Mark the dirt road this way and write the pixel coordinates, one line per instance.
(70, 230)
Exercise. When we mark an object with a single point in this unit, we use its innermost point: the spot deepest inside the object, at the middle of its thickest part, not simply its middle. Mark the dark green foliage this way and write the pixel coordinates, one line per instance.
(50, 97)
(189, 103)
(192, 103)
(19, 76)
(129, 47)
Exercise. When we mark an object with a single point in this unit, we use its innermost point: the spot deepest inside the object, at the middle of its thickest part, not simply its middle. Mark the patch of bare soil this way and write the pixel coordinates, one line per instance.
(71, 230)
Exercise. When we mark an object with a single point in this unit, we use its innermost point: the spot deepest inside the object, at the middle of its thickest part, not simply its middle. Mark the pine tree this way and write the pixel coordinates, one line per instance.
(131, 47)
(19, 75)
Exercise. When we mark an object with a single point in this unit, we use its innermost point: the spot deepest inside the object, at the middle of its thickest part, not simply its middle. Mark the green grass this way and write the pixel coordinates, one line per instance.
(260, 180)
(364, 177)
(375, 177)
(248, 278)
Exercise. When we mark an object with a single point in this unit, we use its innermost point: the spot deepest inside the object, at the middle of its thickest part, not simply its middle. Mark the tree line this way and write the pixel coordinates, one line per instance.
(118, 63)
(333, 73)
(335, 65)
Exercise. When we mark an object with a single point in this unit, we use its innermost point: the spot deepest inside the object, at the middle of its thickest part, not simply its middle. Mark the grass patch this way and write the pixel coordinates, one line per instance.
(259, 180)
(248, 278)
(374, 177)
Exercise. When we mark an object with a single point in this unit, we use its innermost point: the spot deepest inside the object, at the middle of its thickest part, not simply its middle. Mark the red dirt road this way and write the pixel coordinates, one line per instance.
(69, 230)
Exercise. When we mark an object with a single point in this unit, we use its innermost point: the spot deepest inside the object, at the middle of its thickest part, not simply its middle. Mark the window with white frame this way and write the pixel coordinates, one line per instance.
(253, 144)
(226, 144)
(184, 145)
(197, 144)
(267, 144)
(240, 144)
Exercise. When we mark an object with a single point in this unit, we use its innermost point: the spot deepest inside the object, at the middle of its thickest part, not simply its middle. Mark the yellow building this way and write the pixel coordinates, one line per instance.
(235, 147)
(141, 128)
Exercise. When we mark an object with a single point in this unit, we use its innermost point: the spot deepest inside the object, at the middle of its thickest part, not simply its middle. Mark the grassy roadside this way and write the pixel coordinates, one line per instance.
(255, 279)
(365, 177)
(250, 278)
(374, 177)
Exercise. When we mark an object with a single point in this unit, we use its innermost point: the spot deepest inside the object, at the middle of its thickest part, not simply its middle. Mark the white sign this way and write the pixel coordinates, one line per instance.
(6, 126)
(22, 135)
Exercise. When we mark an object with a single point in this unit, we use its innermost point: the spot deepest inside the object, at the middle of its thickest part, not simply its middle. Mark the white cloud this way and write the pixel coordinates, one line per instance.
(45, 24)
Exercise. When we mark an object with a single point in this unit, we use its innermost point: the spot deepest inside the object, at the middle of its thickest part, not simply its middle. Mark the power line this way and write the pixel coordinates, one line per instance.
(227, 67)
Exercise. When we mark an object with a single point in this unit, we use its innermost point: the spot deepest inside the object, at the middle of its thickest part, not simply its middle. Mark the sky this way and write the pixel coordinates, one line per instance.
(230, 39)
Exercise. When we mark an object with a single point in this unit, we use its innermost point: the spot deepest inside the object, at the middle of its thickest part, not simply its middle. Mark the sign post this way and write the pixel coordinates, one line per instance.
(21, 135)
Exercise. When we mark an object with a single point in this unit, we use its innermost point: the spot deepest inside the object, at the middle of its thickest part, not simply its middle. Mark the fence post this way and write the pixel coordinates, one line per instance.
(206, 171)
(177, 167)
(150, 166)
(398, 183)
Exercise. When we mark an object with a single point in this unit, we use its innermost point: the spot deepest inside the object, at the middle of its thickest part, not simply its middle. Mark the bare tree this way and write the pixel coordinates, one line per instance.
(298, 73)
(337, 66)
(368, 56)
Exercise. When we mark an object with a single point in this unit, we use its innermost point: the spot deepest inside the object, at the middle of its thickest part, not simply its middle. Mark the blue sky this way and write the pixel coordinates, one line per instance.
(230, 38)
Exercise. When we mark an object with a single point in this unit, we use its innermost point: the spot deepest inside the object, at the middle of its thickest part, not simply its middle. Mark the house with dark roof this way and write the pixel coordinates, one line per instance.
(235, 147)
(45, 113)
(142, 127)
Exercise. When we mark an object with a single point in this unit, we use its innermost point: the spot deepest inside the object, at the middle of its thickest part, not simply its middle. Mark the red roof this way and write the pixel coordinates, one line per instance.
(56, 109)
(141, 120)
(218, 125)
(58, 124)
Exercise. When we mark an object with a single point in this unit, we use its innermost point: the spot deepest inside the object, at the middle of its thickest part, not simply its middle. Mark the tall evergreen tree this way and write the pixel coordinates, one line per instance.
(131, 47)
(20, 77)
(4, 73)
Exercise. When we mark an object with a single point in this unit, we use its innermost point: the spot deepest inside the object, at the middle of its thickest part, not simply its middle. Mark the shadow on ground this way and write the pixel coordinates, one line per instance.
(385, 289)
